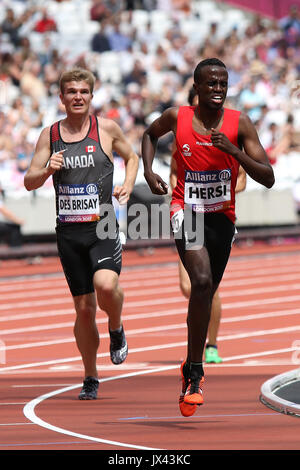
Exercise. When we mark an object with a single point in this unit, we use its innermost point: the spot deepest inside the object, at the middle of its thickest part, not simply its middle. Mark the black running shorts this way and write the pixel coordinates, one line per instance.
(82, 253)
(218, 237)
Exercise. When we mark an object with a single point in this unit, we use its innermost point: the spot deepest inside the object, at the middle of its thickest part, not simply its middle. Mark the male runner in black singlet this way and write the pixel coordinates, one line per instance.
(78, 152)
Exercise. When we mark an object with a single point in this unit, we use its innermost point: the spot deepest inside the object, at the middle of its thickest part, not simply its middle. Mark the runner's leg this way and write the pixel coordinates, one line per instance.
(86, 332)
(215, 319)
(197, 264)
(109, 296)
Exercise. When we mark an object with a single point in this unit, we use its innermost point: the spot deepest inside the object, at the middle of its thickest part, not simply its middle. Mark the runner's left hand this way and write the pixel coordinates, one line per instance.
(221, 141)
(121, 194)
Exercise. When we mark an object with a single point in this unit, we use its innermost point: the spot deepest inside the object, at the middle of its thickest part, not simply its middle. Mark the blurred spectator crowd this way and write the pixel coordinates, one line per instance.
(143, 54)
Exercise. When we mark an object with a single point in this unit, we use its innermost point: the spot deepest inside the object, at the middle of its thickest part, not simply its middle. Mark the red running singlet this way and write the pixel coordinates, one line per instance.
(206, 176)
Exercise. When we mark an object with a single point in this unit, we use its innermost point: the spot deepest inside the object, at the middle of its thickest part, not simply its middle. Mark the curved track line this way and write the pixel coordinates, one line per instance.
(29, 408)
(29, 411)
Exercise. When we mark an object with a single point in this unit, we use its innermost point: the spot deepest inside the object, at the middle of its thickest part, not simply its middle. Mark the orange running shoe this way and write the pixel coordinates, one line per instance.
(186, 409)
(194, 392)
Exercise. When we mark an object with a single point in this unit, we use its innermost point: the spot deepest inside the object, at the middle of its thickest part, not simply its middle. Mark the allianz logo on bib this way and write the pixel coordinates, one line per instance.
(89, 189)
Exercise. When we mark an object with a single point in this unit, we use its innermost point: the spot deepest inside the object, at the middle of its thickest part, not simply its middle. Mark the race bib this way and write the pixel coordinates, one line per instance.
(78, 202)
(208, 191)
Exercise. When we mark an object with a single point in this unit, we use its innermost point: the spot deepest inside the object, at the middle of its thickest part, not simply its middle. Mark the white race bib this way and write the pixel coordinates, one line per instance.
(78, 202)
(208, 191)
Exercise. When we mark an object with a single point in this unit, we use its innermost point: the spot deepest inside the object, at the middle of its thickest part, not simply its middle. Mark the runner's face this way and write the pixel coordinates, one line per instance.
(76, 97)
(212, 86)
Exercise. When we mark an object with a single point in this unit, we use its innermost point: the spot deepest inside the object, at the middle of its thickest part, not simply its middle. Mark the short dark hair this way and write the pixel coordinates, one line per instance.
(204, 63)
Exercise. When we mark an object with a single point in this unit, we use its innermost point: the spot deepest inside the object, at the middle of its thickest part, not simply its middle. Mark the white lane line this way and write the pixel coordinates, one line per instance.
(70, 339)
(133, 332)
(276, 278)
(271, 264)
(167, 301)
(160, 313)
(242, 318)
(51, 326)
(32, 291)
(251, 334)
(161, 346)
(65, 297)
(68, 302)
(264, 315)
(40, 385)
(14, 403)
(257, 354)
(78, 358)
(16, 424)
(158, 301)
(127, 317)
(29, 292)
(261, 290)
(256, 271)
(30, 316)
(37, 303)
(42, 288)
(62, 294)
(146, 279)
(170, 418)
(155, 329)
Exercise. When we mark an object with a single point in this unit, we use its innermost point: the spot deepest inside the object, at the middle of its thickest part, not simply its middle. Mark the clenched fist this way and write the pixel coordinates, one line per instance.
(56, 161)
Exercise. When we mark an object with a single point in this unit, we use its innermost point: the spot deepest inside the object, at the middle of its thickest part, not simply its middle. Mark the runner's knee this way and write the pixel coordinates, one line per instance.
(201, 282)
(106, 290)
(106, 287)
(86, 312)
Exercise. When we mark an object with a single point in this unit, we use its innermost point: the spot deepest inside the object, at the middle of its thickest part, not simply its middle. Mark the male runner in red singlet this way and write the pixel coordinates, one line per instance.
(78, 152)
(212, 142)
(211, 353)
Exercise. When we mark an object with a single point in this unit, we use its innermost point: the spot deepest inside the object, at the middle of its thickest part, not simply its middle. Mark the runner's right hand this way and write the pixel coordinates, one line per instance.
(156, 184)
(56, 161)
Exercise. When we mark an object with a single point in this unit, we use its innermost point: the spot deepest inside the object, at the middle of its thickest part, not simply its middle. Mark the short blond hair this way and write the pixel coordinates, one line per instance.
(77, 74)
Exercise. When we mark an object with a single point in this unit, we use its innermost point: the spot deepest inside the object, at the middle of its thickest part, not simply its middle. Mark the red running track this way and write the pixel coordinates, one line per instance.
(41, 371)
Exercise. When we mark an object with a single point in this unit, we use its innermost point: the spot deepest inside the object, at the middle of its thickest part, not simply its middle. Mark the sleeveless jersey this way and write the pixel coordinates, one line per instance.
(86, 178)
(206, 176)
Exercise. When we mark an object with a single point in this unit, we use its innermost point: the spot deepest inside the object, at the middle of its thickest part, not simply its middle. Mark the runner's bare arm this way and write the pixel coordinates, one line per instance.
(161, 126)
(123, 148)
(173, 173)
(241, 180)
(43, 164)
(253, 157)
